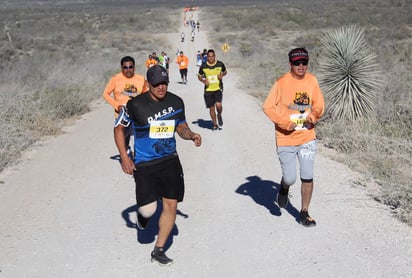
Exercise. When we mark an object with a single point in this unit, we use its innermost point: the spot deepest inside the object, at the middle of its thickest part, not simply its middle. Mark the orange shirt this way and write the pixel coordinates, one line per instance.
(150, 62)
(291, 100)
(182, 61)
(120, 88)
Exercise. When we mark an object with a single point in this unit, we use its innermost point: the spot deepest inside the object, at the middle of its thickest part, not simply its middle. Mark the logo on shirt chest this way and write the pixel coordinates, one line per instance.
(160, 114)
(301, 102)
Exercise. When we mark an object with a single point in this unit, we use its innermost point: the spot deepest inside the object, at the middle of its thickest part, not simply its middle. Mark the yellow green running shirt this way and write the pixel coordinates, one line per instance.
(210, 72)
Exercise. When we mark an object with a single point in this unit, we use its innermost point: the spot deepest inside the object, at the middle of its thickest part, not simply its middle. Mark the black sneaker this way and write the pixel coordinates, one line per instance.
(215, 127)
(306, 220)
(220, 120)
(283, 199)
(141, 222)
(159, 256)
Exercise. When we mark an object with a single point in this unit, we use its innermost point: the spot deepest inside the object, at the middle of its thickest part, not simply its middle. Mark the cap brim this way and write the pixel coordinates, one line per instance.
(158, 83)
(294, 59)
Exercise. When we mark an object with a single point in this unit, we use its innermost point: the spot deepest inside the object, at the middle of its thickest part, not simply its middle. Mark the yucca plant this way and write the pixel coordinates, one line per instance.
(348, 73)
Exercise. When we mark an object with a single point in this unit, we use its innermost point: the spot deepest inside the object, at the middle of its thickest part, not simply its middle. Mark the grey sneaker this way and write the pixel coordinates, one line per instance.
(282, 198)
(159, 256)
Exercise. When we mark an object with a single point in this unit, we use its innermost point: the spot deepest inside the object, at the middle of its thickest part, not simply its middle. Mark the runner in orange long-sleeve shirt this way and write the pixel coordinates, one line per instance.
(294, 104)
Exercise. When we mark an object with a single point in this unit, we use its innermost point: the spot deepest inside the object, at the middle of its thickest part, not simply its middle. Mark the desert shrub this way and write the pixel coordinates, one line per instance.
(349, 76)
(245, 49)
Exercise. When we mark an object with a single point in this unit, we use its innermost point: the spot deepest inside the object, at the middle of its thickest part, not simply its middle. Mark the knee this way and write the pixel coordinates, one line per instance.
(288, 181)
(148, 210)
(169, 204)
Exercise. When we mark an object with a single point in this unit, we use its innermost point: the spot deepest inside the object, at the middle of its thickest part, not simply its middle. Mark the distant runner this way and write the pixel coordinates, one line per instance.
(211, 74)
(183, 63)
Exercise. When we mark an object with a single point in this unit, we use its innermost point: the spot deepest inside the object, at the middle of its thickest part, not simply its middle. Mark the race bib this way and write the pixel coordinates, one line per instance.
(212, 79)
(162, 129)
(299, 120)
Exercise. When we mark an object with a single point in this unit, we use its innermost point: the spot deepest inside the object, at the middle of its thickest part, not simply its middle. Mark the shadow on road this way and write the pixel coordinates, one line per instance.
(264, 192)
(148, 235)
(116, 157)
(204, 124)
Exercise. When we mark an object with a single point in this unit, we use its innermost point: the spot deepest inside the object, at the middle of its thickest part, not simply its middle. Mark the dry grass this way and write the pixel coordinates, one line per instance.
(379, 147)
(57, 60)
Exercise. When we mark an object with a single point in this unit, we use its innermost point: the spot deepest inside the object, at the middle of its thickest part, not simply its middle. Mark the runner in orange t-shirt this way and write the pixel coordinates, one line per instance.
(183, 63)
(123, 86)
(151, 61)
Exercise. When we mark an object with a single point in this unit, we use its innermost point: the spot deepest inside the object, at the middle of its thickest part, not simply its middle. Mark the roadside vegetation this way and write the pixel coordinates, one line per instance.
(55, 61)
(361, 54)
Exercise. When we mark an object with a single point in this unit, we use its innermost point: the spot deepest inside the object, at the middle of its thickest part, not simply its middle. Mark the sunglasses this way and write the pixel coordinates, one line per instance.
(298, 62)
(127, 67)
(161, 83)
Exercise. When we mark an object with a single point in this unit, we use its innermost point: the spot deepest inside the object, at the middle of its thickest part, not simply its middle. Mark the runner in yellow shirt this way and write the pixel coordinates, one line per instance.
(211, 74)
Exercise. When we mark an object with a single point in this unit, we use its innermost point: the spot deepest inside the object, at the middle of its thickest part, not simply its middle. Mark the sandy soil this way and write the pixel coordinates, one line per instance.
(68, 210)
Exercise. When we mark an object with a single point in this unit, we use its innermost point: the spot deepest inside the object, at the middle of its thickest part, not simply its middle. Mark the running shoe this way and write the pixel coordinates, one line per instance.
(215, 127)
(282, 198)
(220, 120)
(141, 222)
(159, 256)
(306, 220)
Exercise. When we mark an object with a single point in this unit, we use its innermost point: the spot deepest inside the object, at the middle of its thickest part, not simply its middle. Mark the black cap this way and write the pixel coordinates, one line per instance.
(297, 54)
(156, 75)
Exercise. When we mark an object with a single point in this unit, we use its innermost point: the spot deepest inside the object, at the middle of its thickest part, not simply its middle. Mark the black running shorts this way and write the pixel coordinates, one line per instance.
(183, 72)
(212, 97)
(161, 179)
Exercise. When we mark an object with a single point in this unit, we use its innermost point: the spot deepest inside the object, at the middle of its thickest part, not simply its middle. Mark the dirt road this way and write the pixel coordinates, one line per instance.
(68, 210)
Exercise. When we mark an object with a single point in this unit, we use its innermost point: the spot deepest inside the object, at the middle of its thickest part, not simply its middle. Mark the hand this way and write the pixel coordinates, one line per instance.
(308, 120)
(119, 108)
(292, 126)
(308, 123)
(197, 139)
(127, 165)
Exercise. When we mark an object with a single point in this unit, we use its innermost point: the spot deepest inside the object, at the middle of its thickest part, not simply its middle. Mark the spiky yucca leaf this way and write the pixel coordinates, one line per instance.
(348, 74)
